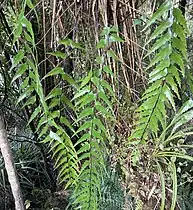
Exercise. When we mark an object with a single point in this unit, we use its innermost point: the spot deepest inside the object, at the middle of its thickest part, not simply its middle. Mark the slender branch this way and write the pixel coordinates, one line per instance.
(10, 167)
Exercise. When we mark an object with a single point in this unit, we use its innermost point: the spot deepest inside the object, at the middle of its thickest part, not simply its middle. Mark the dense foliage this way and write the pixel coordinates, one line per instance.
(91, 125)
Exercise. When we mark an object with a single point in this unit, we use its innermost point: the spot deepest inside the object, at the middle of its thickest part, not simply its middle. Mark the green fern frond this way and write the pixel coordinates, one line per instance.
(169, 53)
(92, 142)
(47, 114)
(93, 103)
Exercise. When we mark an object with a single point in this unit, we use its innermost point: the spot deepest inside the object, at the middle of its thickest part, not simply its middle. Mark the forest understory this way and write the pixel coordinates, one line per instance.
(96, 105)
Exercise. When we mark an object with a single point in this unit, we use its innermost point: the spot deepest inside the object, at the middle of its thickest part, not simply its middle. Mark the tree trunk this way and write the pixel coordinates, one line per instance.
(10, 167)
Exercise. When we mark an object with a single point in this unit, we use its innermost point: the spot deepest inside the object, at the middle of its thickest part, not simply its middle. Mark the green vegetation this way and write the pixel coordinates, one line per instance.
(96, 118)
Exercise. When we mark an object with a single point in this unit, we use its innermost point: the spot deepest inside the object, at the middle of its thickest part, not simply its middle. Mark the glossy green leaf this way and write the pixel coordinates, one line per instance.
(25, 94)
(159, 43)
(158, 76)
(186, 106)
(58, 54)
(102, 44)
(103, 111)
(178, 30)
(100, 125)
(21, 69)
(29, 4)
(84, 148)
(160, 12)
(76, 45)
(42, 121)
(173, 85)
(18, 57)
(159, 30)
(100, 59)
(115, 38)
(107, 70)
(55, 137)
(55, 71)
(43, 132)
(114, 29)
(82, 92)
(174, 71)
(161, 66)
(112, 54)
(53, 93)
(180, 18)
(106, 85)
(86, 99)
(169, 96)
(17, 32)
(177, 59)
(83, 138)
(97, 134)
(103, 96)
(32, 75)
(28, 25)
(105, 31)
(96, 81)
(65, 42)
(66, 122)
(25, 83)
(34, 114)
(66, 101)
(84, 127)
(69, 79)
(160, 56)
(30, 101)
(88, 111)
(183, 119)
(86, 79)
(177, 43)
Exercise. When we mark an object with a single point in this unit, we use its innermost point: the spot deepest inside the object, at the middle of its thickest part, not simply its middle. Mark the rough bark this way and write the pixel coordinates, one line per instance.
(10, 167)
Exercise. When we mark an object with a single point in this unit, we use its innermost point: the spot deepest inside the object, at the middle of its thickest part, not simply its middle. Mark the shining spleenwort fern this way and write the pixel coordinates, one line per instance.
(93, 102)
(82, 169)
(169, 53)
(45, 110)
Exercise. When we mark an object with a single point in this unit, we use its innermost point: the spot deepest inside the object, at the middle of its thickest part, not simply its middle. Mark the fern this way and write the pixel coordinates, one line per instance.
(82, 169)
(93, 107)
(45, 110)
(169, 53)
(112, 192)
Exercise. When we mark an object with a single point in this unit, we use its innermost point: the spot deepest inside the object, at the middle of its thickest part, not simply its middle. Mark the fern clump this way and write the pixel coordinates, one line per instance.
(81, 169)
(160, 134)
